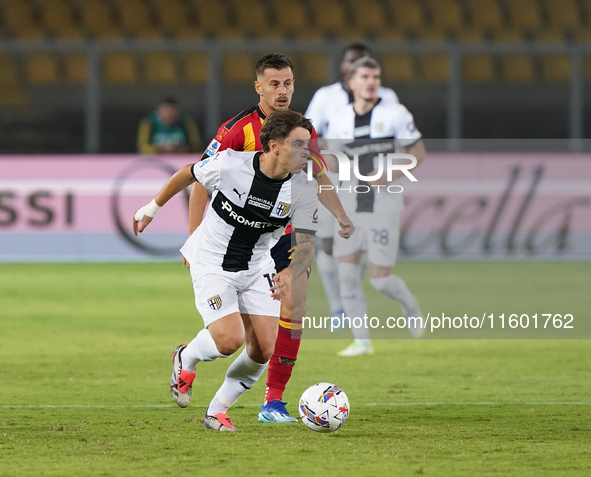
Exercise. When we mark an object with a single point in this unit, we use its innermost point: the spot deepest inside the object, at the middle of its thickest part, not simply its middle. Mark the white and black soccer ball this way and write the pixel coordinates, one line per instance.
(324, 407)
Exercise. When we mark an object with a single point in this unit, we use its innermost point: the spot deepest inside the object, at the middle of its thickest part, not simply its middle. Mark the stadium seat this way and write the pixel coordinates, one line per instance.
(369, 16)
(517, 68)
(485, 14)
(195, 67)
(435, 67)
(57, 15)
(315, 66)
(160, 68)
(119, 68)
(432, 35)
(173, 15)
(329, 15)
(446, 14)
(76, 67)
(398, 68)
(135, 17)
(97, 17)
(210, 14)
(229, 33)
(8, 72)
(407, 14)
(41, 68)
(564, 13)
(392, 34)
(311, 33)
(11, 92)
(478, 69)
(70, 34)
(289, 15)
(192, 32)
(238, 68)
(251, 15)
(555, 67)
(523, 13)
(272, 33)
(471, 35)
(19, 17)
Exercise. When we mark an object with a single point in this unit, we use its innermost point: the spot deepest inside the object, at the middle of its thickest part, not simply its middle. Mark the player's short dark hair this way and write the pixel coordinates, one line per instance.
(280, 124)
(363, 62)
(276, 61)
(360, 47)
(170, 100)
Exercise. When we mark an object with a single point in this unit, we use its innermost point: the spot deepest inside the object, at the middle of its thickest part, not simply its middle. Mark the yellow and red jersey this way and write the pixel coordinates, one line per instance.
(242, 132)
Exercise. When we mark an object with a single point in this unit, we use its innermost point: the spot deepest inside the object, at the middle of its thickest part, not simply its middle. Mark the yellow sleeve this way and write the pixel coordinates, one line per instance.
(143, 138)
(193, 135)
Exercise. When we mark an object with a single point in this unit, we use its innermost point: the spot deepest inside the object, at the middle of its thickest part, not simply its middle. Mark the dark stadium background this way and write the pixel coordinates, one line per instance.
(529, 93)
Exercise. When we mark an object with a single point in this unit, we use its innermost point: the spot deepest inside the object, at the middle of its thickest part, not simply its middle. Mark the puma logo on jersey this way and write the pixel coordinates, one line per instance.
(227, 206)
(238, 193)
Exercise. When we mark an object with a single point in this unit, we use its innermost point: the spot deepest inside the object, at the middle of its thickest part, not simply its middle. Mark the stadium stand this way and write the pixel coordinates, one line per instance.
(398, 68)
(120, 68)
(41, 68)
(369, 16)
(472, 21)
(407, 15)
(485, 14)
(75, 67)
(160, 68)
(564, 14)
(524, 14)
(446, 14)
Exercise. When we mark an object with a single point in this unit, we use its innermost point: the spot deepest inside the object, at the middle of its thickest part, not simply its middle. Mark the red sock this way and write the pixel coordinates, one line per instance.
(283, 359)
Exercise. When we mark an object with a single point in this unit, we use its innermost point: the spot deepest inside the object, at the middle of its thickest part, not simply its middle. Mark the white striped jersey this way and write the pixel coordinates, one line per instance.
(329, 99)
(248, 213)
(386, 128)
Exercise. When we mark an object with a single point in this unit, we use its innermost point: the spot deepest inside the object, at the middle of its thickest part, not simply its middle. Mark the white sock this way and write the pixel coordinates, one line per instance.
(202, 348)
(396, 288)
(242, 375)
(353, 298)
(328, 269)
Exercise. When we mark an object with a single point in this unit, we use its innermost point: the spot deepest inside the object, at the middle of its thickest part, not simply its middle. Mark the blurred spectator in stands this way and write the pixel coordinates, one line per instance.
(168, 130)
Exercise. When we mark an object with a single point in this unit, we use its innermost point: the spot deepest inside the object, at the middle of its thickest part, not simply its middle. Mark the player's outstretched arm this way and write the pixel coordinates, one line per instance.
(329, 199)
(300, 262)
(178, 182)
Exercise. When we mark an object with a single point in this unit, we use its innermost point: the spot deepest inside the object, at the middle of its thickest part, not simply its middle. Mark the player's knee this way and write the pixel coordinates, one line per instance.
(380, 284)
(349, 276)
(229, 344)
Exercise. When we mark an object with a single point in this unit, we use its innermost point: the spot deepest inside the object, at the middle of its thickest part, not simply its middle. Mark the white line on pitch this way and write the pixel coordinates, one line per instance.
(156, 406)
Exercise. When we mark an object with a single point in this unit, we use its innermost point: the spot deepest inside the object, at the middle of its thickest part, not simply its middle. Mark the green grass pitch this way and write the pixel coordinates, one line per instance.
(85, 365)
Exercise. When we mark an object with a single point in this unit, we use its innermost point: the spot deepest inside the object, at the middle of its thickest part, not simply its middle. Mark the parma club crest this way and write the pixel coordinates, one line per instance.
(215, 302)
(282, 209)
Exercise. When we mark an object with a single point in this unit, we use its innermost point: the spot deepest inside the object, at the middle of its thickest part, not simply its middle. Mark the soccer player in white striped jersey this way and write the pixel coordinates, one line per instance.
(237, 291)
(325, 102)
(367, 126)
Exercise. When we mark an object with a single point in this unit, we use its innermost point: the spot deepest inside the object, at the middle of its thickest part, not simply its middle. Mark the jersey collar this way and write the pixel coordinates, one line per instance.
(261, 112)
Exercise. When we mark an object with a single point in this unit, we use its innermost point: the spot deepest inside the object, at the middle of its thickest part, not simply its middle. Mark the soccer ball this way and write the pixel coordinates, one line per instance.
(324, 407)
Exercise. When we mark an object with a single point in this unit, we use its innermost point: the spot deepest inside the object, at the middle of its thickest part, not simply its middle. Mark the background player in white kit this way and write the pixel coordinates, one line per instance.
(255, 196)
(368, 125)
(325, 102)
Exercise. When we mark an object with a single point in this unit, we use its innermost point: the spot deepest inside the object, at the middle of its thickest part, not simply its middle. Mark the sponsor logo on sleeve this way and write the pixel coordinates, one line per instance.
(213, 147)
